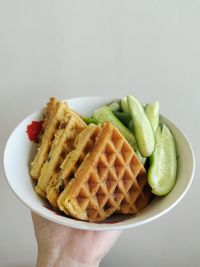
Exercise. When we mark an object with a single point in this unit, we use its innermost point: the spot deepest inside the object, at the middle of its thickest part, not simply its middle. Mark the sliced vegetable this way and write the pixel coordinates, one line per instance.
(114, 106)
(130, 126)
(163, 163)
(152, 112)
(143, 130)
(104, 114)
(89, 120)
(124, 104)
(124, 117)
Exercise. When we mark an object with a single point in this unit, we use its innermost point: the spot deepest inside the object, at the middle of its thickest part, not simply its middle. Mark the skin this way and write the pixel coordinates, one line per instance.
(61, 246)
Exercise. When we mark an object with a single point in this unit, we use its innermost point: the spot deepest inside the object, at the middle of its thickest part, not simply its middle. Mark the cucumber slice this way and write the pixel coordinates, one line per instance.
(143, 130)
(104, 114)
(124, 104)
(89, 120)
(163, 163)
(130, 126)
(114, 106)
(124, 117)
(152, 112)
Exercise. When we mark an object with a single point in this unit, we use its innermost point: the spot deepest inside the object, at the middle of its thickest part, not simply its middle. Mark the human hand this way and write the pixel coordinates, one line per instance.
(61, 246)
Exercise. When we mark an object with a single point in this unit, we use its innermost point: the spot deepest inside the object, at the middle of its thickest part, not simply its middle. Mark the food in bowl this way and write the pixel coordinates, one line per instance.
(90, 168)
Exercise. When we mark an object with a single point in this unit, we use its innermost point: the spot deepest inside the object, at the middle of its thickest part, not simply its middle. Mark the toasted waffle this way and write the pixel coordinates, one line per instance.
(54, 114)
(83, 145)
(107, 180)
(138, 195)
(62, 144)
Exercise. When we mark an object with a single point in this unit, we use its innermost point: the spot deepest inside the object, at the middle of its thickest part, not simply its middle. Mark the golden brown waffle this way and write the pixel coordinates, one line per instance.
(138, 195)
(83, 145)
(55, 112)
(108, 180)
(49, 111)
(70, 126)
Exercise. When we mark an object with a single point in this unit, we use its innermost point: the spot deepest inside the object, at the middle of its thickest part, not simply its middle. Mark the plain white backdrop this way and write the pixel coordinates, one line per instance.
(79, 48)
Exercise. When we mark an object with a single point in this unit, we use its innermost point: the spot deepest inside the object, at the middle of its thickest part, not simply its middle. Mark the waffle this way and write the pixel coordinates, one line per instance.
(83, 145)
(54, 113)
(110, 179)
(138, 195)
(62, 144)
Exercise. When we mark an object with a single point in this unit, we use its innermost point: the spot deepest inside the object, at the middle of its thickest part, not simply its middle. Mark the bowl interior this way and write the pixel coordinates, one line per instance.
(19, 151)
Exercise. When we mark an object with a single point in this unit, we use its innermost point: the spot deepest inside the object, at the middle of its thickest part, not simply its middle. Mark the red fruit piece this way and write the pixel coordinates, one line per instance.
(33, 130)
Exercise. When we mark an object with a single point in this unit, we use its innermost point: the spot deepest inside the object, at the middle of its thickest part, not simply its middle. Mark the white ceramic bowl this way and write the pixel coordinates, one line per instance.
(19, 150)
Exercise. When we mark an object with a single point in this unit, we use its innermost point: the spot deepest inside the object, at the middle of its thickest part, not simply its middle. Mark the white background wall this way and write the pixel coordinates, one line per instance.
(65, 48)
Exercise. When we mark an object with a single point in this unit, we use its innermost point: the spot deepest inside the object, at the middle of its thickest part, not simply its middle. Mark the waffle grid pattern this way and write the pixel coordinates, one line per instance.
(84, 143)
(63, 143)
(52, 124)
(111, 182)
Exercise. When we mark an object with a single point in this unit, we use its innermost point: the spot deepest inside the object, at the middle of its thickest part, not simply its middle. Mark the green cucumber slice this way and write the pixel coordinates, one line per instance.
(124, 117)
(152, 112)
(114, 106)
(89, 120)
(163, 163)
(130, 126)
(124, 104)
(143, 130)
(104, 114)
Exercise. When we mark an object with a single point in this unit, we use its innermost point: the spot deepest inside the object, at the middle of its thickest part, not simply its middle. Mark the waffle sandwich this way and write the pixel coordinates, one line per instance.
(87, 172)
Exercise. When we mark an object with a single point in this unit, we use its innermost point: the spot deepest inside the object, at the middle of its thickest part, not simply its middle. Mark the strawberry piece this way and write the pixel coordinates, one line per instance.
(33, 130)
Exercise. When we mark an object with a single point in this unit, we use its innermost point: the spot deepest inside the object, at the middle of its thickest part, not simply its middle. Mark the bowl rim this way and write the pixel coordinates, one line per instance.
(78, 224)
